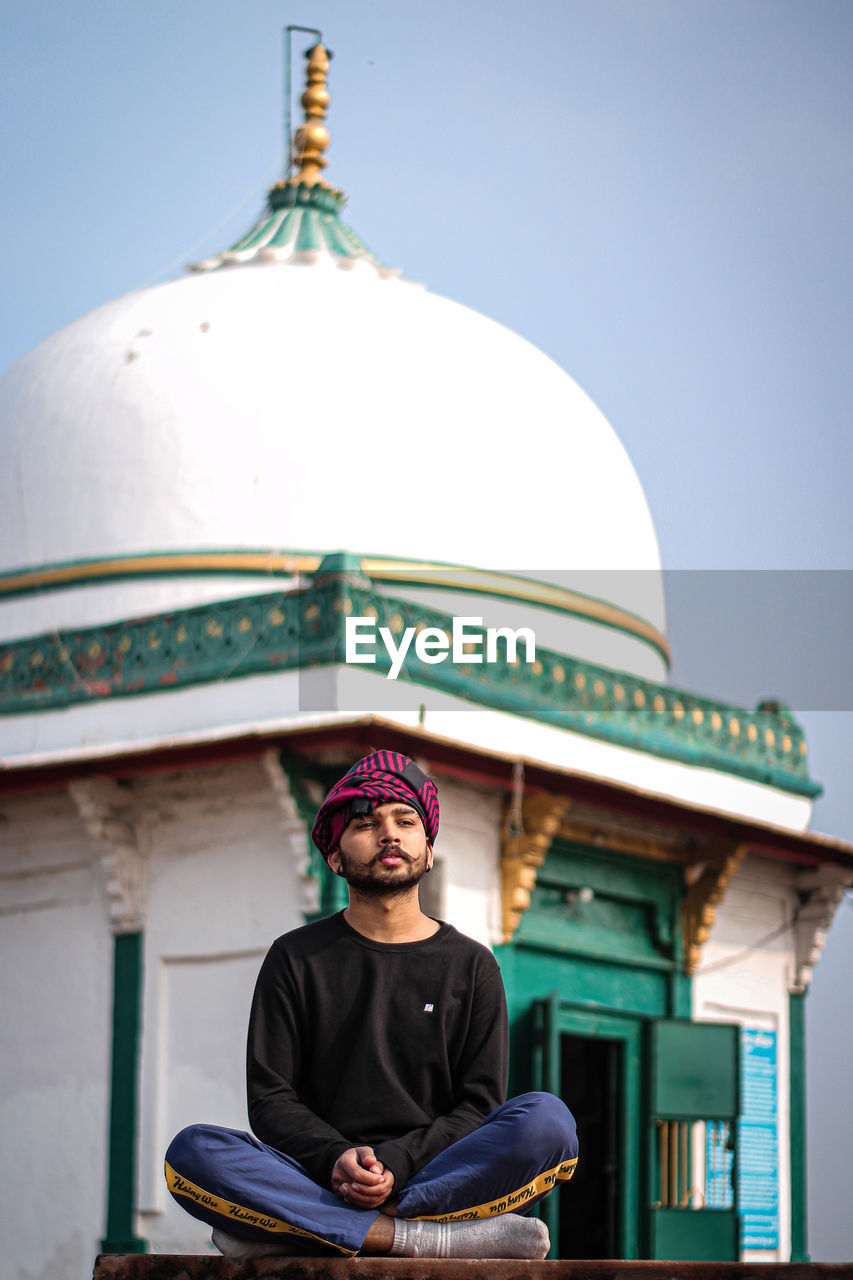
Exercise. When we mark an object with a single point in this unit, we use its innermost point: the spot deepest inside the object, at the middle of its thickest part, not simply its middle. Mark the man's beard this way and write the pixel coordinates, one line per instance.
(377, 881)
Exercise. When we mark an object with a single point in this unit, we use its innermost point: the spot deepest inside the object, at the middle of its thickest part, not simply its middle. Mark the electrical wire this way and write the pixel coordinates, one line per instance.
(182, 258)
(755, 946)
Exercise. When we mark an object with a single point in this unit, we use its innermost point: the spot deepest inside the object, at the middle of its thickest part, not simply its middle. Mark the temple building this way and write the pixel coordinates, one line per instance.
(291, 507)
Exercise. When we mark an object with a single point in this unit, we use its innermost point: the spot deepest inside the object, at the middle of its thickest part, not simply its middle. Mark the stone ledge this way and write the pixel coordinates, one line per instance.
(212, 1267)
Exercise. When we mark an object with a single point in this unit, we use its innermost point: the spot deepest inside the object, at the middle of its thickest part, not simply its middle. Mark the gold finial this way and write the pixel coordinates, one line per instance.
(312, 138)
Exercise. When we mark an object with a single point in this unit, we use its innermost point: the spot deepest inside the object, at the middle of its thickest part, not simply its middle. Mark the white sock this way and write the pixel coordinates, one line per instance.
(507, 1236)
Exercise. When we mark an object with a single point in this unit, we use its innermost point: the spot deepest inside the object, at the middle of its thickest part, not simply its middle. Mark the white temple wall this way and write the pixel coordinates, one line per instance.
(55, 995)
(468, 847)
(225, 879)
(751, 988)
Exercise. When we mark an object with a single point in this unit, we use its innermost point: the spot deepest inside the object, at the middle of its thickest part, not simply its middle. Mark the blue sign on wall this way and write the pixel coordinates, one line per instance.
(758, 1146)
(758, 1141)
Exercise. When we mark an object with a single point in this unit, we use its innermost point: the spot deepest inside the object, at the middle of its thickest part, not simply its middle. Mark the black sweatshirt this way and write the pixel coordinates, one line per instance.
(398, 1046)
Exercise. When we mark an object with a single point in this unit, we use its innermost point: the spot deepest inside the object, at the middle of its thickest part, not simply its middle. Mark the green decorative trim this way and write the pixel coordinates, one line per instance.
(797, 1085)
(240, 562)
(519, 590)
(298, 218)
(127, 1026)
(301, 195)
(255, 562)
(294, 630)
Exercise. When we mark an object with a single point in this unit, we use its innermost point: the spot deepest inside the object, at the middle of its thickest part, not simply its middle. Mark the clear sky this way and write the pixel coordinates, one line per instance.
(658, 193)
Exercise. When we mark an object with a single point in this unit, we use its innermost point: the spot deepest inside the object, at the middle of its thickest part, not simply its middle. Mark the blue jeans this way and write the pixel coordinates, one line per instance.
(230, 1180)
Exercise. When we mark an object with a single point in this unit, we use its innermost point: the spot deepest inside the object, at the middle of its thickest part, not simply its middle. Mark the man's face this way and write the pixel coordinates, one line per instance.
(383, 852)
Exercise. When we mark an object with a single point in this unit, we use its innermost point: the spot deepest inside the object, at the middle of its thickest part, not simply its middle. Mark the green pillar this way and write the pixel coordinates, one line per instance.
(797, 1075)
(124, 1088)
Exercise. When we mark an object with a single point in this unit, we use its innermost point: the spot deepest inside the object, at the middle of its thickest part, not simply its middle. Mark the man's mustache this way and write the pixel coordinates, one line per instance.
(393, 852)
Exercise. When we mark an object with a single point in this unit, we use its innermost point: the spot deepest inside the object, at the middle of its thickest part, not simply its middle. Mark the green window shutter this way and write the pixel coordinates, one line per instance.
(694, 1080)
(700, 1235)
(694, 1069)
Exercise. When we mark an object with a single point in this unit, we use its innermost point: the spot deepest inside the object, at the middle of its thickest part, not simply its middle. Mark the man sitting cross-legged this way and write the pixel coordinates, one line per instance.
(377, 1070)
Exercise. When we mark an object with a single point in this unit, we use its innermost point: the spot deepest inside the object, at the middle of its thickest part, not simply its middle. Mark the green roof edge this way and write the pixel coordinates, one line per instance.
(288, 631)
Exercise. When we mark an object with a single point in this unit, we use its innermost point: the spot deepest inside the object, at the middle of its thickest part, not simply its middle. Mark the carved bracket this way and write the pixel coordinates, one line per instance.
(106, 810)
(704, 894)
(821, 890)
(522, 854)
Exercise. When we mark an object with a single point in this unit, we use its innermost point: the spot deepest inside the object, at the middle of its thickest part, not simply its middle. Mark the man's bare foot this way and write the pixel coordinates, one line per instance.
(380, 1235)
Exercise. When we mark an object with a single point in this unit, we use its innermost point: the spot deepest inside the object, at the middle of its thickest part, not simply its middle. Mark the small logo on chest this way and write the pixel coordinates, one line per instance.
(429, 1008)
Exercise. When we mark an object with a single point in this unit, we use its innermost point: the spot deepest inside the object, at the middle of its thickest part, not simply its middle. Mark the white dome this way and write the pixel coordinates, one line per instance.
(316, 408)
(309, 407)
(310, 403)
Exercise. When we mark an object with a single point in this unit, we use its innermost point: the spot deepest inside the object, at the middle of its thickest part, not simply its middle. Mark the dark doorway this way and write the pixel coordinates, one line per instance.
(590, 1071)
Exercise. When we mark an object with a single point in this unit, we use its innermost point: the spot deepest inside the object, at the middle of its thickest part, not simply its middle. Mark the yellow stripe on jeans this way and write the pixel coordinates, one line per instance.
(237, 1213)
(516, 1200)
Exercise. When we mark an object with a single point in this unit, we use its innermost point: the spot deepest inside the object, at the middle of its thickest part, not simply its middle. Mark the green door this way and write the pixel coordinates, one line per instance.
(591, 1059)
(671, 1091)
(693, 1106)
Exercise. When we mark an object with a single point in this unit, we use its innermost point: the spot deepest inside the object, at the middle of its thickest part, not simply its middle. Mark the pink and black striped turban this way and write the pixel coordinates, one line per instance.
(375, 780)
